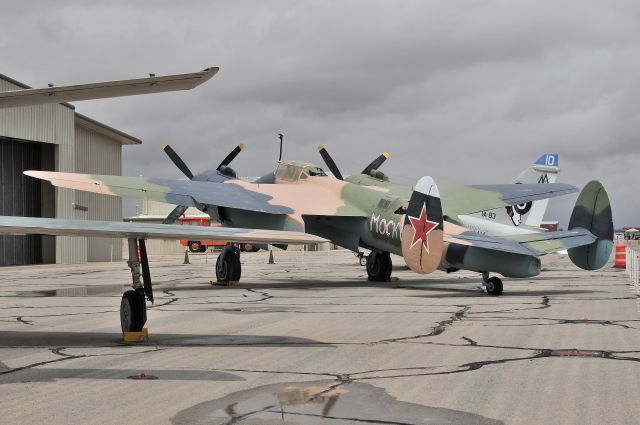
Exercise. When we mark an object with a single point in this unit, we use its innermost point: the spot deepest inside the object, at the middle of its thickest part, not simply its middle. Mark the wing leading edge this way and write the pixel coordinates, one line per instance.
(105, 89)
(115, 229)
(178, 192)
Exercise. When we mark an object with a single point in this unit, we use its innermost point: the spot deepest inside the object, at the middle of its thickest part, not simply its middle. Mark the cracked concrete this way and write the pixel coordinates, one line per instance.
(562, 348)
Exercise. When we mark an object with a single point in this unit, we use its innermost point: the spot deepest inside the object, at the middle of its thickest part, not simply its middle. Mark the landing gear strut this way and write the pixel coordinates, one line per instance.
(379, 266)
(228, 268)
(492, 284)
(133, 306)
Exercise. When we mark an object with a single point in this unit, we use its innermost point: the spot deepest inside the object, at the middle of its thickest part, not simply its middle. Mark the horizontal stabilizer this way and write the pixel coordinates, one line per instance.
(458, 200)
(117, 229)
(105, 89)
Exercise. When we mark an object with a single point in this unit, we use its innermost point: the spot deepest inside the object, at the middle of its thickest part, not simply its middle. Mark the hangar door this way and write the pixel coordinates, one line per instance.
(20, 196)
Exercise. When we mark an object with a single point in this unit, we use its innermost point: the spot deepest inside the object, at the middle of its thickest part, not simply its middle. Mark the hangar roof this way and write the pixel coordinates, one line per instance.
(89, 123)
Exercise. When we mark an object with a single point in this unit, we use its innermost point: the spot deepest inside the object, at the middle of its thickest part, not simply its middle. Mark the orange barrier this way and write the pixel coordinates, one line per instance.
(621, 255)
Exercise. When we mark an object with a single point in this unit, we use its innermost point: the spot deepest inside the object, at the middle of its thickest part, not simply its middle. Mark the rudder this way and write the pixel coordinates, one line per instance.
(593, 212)
(422, 231)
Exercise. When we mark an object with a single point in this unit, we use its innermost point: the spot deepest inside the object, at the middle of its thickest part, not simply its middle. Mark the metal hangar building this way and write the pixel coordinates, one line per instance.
(53, 137)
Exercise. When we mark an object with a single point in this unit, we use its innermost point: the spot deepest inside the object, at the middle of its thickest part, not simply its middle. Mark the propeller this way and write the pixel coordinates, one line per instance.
(175, 214)
(374, 165)
(223, 168)
(330, 163)
(232, 155)
(178, 161)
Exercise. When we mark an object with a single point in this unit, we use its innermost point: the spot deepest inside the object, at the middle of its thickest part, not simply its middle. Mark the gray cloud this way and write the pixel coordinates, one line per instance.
(469, 92)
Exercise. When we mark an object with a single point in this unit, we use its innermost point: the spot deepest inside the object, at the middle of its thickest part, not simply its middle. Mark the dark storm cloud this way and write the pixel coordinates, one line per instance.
(469, 92)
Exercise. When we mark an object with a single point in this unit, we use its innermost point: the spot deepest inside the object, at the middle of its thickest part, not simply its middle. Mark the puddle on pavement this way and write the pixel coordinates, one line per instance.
(319, 402)
(76, 291)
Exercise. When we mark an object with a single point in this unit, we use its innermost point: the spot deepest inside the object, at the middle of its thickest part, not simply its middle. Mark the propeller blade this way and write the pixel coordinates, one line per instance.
(178, 161)
(175, 214)
(376, 163)
(329, 161)
(231, 156)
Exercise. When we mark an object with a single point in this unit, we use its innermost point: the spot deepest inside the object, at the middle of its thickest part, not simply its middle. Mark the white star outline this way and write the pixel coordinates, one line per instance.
(413, 220)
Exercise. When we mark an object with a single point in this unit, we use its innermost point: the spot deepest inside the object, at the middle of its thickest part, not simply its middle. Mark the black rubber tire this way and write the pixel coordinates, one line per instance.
(132, 311)
(379, 266)
(204, 248)
(229, 269)
(494, 286)
(237, 268)
(195, 246)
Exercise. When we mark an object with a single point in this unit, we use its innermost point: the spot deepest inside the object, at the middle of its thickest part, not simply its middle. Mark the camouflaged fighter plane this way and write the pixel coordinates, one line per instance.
(300, 203)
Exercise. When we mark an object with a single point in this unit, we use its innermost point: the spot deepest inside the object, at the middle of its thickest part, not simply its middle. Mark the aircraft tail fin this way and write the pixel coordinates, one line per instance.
(422, 231)
(543, 170)
(593, 213)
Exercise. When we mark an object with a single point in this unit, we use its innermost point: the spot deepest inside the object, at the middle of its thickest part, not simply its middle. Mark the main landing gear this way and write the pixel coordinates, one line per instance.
(379, 266)
(228, 268)
(493, 284)
(133, 306)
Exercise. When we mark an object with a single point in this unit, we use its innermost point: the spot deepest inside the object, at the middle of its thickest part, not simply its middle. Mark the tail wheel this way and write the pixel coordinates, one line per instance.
(494, 286)
(379, 266)
(132, 311)
(195, 246)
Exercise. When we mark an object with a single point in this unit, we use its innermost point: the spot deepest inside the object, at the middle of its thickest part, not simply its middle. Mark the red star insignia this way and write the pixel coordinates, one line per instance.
(421, 228)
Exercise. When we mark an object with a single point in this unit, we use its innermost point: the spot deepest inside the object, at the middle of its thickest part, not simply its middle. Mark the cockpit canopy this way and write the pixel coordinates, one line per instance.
(292, 171)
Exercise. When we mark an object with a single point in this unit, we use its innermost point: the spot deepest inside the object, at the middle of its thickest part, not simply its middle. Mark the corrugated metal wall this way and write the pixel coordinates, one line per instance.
(52, 124)
(55, 124)
(97, 154)
(68, 249)
(36, 123)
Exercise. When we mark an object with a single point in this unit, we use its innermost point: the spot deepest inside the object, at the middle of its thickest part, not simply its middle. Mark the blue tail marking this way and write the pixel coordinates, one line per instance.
(548, 159)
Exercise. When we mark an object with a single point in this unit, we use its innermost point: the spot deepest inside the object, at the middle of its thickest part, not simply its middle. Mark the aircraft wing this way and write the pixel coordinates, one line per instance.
(526, 244)
(106, 89)
(457, 200)
(178, 192)
(116, 229)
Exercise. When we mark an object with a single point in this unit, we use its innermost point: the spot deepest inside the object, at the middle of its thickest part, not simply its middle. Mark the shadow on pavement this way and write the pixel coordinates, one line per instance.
(94, 339)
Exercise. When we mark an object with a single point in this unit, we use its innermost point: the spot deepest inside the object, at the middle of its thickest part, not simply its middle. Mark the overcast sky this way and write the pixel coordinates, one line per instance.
(467, 91)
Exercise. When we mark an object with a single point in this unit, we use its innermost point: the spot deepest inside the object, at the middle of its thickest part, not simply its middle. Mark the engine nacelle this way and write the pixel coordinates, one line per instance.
(482, 260)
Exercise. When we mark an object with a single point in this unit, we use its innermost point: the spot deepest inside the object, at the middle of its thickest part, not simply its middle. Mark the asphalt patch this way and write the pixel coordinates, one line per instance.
(319, 402)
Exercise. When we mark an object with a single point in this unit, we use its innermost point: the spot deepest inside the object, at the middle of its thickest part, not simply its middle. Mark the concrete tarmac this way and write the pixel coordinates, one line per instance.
(308, 340)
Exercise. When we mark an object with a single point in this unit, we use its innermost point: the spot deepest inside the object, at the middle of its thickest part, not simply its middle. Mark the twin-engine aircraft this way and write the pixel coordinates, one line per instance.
(300, 203)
